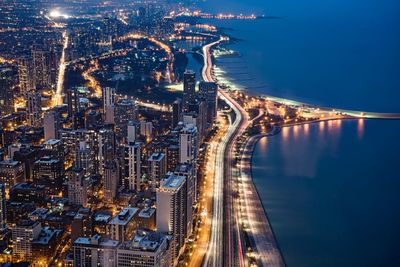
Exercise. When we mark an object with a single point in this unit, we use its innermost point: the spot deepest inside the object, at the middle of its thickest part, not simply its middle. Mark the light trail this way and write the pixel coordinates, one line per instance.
(215, 252)
(6, 60)
(93, 83)
(58, 100)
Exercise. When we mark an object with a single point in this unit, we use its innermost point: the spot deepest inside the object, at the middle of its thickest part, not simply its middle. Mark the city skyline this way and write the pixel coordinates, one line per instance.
(123, 142)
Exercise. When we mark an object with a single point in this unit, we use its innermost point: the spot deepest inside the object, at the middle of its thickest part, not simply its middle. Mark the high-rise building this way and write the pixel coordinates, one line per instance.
(11, 173)
(111, 180)
(81, 225)
(34, 109)
(85, 158)
(27, 155)
(3, 211)
(109, 104)
(6, 94)
(132, 132)
(188, 144)
(122, 227)
(147, 248)
(95, 251)
(51, 123)
(157, 168)
(132, 166)
(23, 235)
(189, 171)
(172, 157)
(26, 74)
(77, 187)
(125, 111)
(72, 101)
(176, 112)
(42, 66)
(189, 88)
(54, 148)
(171, 211)
(209, 91)
(198, 108)
(49, 172)
(146, 129)
(107, 147)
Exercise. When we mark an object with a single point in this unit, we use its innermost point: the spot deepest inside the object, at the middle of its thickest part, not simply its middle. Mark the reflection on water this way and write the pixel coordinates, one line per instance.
(324, 184)
(360, 128)
(262, 144)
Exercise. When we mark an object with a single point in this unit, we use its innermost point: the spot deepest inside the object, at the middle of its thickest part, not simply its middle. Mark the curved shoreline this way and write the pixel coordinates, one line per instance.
(246, 173)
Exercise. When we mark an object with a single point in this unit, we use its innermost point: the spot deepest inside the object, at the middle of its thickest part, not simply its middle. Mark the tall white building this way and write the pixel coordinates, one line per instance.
(22, 236)
(171, 211)
(132, 132)
(188, 144)
(95, 251)
(132, 165)
(158, 168)
(146, 248)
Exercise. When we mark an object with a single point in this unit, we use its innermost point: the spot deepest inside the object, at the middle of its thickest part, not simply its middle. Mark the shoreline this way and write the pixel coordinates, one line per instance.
(246, 173)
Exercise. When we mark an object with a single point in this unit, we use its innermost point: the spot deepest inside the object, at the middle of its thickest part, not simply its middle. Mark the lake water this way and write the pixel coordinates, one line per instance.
(331, 190)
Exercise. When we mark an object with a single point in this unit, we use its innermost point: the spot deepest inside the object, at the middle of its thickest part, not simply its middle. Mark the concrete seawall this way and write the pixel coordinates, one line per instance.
(259, 230)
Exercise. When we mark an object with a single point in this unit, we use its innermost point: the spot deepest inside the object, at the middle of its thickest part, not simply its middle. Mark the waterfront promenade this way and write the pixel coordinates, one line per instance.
(261, 237)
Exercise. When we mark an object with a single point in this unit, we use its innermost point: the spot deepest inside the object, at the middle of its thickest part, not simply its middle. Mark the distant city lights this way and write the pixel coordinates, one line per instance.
(58, 14)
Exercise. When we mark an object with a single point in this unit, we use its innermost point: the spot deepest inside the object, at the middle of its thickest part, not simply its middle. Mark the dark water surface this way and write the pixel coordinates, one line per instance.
(331, 190)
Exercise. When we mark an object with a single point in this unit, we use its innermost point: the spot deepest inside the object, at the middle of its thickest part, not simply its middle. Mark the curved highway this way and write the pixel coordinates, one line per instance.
(225, 246)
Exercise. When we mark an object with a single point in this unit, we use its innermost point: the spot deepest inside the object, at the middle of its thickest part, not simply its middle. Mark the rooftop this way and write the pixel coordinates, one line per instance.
(172, 181)
(156, 156)
(147, 212)
(124, 216)
(145, 241)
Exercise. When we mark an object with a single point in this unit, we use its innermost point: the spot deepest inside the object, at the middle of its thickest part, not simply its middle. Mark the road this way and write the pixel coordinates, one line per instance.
(61, 73)
(225, 246)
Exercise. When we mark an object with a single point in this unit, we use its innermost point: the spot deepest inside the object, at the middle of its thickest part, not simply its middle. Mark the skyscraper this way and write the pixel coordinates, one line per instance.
(171, 211)
(157, 167)
(6, 94)
(111, 179)
(189, 88)
(51, 123)
(3, 211)
(108, 104)
(107, 147)
(42, 66)
(176, 112)
(125, 111)
(132, 165)
(22, 236)
(189, 171)
(34, 109)
(188, 145)
(77, 189)
(49, 172)
(132, 131)
(209, 91)
(26, 74)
